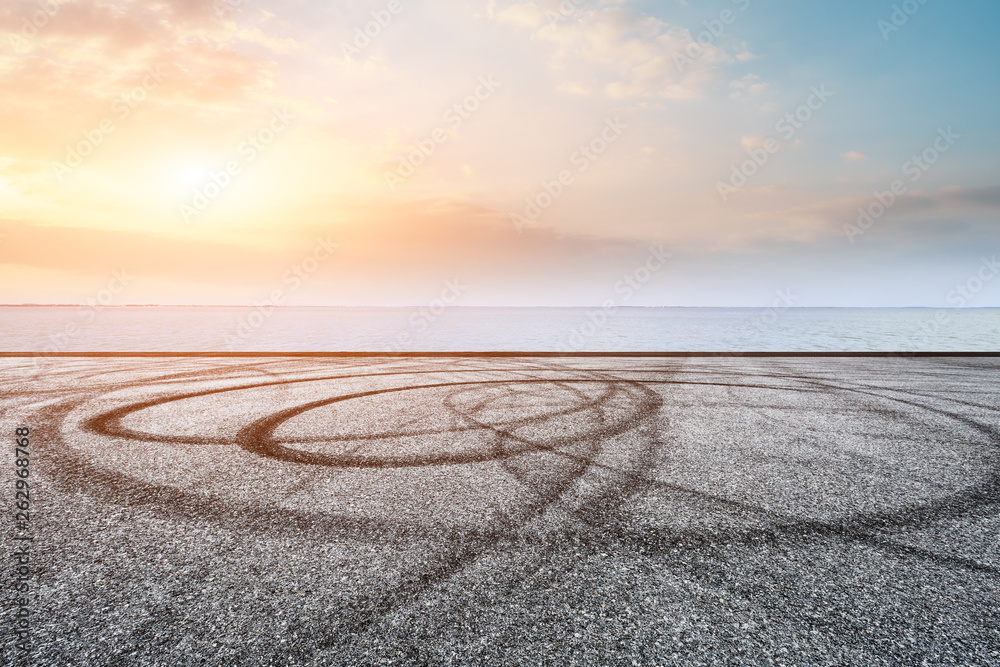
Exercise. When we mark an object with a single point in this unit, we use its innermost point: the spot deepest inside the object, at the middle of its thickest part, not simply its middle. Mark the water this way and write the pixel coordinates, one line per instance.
(186, 329)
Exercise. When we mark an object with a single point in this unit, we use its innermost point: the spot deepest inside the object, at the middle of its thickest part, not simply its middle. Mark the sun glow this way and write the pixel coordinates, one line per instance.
(193, 175)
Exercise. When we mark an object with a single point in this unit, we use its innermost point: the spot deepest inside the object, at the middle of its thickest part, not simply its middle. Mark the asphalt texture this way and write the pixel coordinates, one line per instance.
(509, 511)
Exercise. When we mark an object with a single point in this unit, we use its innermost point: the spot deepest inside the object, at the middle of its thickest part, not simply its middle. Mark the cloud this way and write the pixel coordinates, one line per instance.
(59, 247)
(748, 86)
(392, 255)
(749, 143)
(854, 156)
(87, 52)
(617, 52)
(987, 198)
(966, 214)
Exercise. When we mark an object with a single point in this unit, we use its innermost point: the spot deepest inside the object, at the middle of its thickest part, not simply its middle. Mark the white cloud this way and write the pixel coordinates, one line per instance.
(748, 86)
(618, 52)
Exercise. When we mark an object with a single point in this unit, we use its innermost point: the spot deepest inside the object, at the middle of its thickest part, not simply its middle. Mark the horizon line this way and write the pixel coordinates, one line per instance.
(454, 307)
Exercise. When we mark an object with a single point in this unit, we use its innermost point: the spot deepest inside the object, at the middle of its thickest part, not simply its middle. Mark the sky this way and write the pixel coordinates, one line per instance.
(724, 153)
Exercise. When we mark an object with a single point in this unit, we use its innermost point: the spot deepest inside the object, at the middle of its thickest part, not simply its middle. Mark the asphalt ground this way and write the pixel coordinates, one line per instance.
(327, 511)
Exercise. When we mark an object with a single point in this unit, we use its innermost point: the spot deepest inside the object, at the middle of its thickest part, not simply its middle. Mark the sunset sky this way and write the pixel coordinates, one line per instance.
(214, 151)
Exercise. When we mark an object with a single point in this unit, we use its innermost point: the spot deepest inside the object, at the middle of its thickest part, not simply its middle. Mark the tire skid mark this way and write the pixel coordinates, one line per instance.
(257, 438)
(580, 454)
(109, 423)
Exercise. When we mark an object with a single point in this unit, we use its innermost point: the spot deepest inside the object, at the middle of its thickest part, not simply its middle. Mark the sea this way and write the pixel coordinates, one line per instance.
(449, 329)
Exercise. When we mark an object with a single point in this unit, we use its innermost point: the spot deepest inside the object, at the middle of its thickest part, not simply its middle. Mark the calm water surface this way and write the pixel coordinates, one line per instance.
(185, 329)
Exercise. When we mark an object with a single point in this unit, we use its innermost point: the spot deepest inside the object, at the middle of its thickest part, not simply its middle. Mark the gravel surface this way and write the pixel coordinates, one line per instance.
(252, 511)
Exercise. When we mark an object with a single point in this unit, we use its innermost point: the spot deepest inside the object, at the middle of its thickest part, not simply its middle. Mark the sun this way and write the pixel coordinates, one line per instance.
(193, 174)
